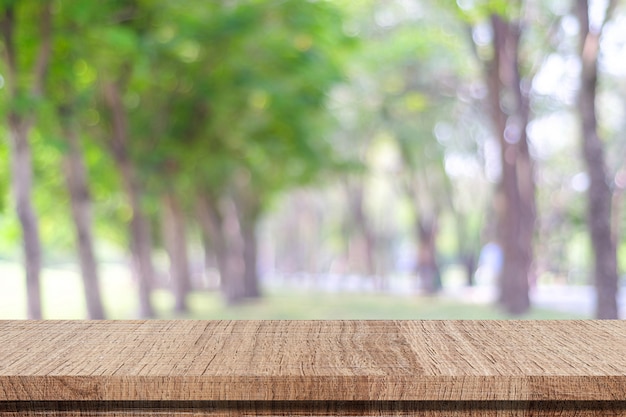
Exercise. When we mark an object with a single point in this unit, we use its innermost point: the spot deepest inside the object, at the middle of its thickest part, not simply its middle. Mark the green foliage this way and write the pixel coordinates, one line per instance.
(474, 11)
(231, 89)
(213, 92)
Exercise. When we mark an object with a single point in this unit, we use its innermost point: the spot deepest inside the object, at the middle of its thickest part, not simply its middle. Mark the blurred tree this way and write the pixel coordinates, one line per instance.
(176, 244)
(405, 87)
(118, 54)
(599, 191)
(141, 241)
(299, 60)
(181, 109)
(517, 192)
(225, 136)
(510, 112)
(355, 105)
(185, 159)
(26, 61)
(68, 93)
(363, 244)
(77, 184)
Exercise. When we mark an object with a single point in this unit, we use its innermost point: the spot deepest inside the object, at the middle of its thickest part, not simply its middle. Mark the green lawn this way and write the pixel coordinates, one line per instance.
(290, 305)
(62, 299)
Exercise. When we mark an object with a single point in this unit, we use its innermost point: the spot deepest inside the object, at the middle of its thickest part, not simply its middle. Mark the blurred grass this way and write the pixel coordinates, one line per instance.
(63, 299)
(322, 306)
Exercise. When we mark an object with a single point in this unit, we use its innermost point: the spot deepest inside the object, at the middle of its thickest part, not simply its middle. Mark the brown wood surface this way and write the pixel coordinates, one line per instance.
(280, 361)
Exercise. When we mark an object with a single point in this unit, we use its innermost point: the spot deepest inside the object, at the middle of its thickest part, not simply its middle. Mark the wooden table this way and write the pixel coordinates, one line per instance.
(380, 368)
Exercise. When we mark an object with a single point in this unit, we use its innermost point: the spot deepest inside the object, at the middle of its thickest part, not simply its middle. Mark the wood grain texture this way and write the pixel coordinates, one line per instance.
(313, 361)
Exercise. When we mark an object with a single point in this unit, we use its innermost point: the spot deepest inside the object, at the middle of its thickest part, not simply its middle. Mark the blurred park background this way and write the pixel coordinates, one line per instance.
(261, 159)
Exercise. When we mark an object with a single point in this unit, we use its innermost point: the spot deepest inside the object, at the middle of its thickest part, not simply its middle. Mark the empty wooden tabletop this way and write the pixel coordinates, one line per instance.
(312, 360)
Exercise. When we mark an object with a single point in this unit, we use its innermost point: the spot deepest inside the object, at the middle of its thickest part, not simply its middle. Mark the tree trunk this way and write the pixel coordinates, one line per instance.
(616, 207)
(210, 222)
(466, 244)
(516, 205)
(222, 223)
(141, 248)
(427, 270)
(468, 259)
(20, 151)
(427, 267)
(250, 258)
(175, 242)
(76, 180)
(209, 250)
(22, 185)
(297, 242)
(362, 232)
(599, 192)
(141, 241)
(234, 284)
(245, 208)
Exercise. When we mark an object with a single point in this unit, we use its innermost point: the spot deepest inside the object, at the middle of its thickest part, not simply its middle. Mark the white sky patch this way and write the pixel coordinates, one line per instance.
(385, 18)
(613, 48)
(493, 166)
(458, 165)
(569, 24)
(579, 182)
(482, 34)
(412, 8)
(552, 134)
(383, 154)
(597, 12)
(611, 110)
(558, 77)
(443, 133)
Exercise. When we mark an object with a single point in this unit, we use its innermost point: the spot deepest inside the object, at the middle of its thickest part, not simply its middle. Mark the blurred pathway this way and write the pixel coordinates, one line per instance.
(576, 299)
(579, 299)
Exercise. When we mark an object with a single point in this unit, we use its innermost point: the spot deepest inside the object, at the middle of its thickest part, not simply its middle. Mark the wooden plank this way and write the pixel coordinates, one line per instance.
(312, 360)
